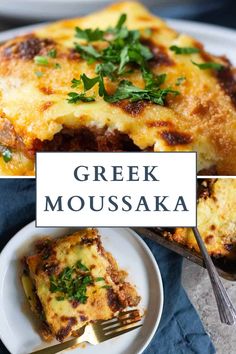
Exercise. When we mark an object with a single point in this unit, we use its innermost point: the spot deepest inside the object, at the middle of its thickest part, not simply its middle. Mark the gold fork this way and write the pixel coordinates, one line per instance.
(100, 331)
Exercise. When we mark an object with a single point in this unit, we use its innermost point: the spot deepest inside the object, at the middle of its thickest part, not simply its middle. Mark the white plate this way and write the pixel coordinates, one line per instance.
(217, 40)
(16, 327)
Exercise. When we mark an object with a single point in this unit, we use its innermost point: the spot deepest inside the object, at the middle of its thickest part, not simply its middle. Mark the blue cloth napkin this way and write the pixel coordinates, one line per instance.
(180, 330)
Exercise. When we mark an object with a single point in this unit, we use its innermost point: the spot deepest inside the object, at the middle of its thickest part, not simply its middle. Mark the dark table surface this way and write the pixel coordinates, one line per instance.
(219, 12)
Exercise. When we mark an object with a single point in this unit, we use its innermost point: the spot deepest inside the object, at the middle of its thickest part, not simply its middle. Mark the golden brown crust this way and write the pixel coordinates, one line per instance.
(216, 219)
(202, 118)
(107, 291)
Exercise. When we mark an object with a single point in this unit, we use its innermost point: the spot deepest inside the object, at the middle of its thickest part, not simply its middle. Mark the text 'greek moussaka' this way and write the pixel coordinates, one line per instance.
(160, 91)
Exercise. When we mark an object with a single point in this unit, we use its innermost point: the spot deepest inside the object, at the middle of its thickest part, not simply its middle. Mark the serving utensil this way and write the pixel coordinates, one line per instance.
(100, 331)
(226, 309)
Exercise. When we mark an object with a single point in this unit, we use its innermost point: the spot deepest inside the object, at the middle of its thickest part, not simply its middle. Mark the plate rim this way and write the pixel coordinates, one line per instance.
(6, 250)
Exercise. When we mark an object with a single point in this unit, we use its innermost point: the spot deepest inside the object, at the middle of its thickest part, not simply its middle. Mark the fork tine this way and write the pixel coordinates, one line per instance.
(125, 315)
(119, 323)
(117, 333)
(128, 312)
(121, 314)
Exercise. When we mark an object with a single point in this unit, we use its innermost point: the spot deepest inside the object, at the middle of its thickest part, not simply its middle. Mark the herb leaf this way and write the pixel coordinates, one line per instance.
(41, 60)
(209, 65)
(71, 284)
(57, 66)
(180, 80)
(106, 69)
(124, 50)
(75, 83)
(106, 287)
(153, 81)
(81, 266)
(121, 21)
(87, 51)
(7, 154)
(52, 53)
(126, 90)
(89, 83)
(99, 279)
(89, 35)
(184, 50)
(75, 97)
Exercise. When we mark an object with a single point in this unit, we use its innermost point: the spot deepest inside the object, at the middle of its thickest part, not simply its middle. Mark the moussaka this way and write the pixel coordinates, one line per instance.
(117, 80)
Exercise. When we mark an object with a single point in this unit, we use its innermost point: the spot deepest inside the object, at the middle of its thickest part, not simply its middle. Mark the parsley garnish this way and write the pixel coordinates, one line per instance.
(180, 80)
(52, 53)
(75, 83)
(184, 50)
(71, 284)
(6, 154)
(57, 66)
(121, 21)
(81, 266)
(126, 90)
(87, 52)
(153, 81)
(106, 69)
(106, 287)
(123, 52)
(89, 35)
(41, 60)
(60, 298)
(99, 279)
(209, 65)
(75, 97)
(124, 46)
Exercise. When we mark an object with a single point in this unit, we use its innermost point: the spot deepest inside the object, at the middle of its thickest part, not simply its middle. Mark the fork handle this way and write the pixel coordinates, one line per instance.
(57, 348)
(226, 309)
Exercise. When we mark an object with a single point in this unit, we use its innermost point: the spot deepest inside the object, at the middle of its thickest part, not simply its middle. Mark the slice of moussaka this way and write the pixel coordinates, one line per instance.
(216, 213)
(117, 80)
(75, 281)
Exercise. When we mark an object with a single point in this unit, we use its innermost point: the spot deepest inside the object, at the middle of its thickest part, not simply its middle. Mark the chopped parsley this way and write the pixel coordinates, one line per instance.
(184, 50)
(41, 60)
(123, 53)
(57, 66)
(209, 65)
(180, 80)
(6, 154)
(60, 298)
(106, 287)
(81, 266)
(71, 284)
(52, 53)
(75, 97)
(124, 46)
(87, 52)
(89, 35)
(44, 60)
(75, 83)
(106, 69)
(99, 279)
(126, 90)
